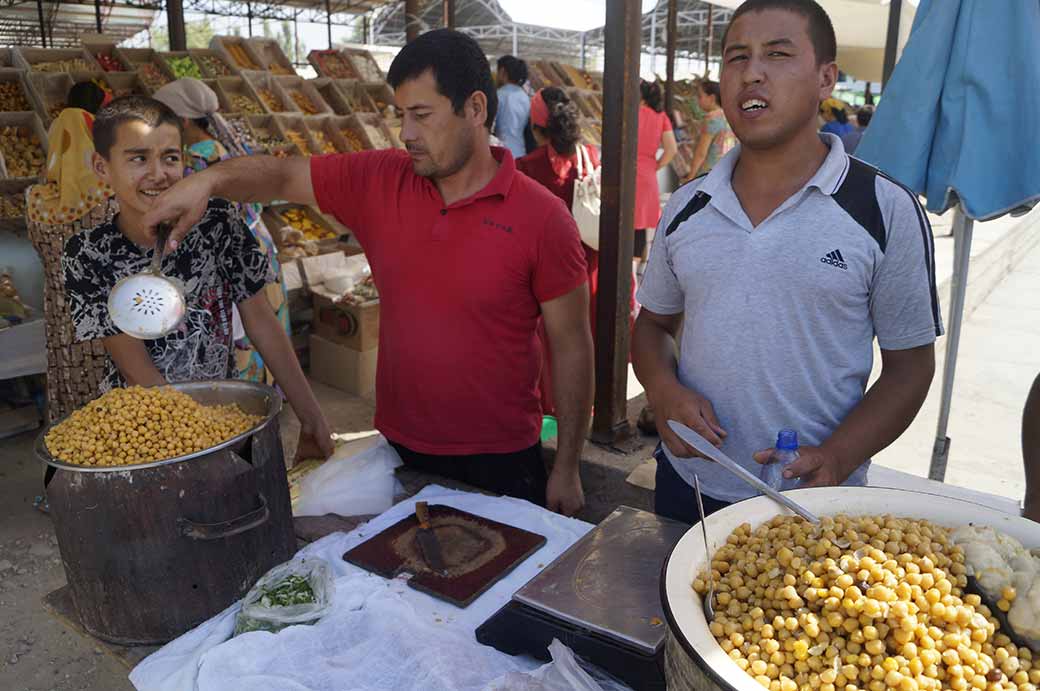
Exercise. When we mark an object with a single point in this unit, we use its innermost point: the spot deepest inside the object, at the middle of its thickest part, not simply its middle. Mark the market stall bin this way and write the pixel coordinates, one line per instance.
(49, 92)
(106, 53)
(12, 203)
(327, 135)
(693, 657)
(270, 137)
(56, 60)
(236, 95)
(382, 98)
(357, 97)
(152, 550)
(236, 53)
(23, 146)
(272, 97)
(212, 63)
(125, 84)
(365, 65)
(352, 133)
(378, 133)
(180, 63)
(153, 74)
(541, 75)
(332, 95)
(312, 231)
(7, 57)
(271, 56)
(332, 64)
(295, 130)
(303, 95)
(16, 94)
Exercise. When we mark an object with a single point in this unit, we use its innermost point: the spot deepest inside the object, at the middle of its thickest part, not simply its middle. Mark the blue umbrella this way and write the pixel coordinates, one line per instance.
(958, 124)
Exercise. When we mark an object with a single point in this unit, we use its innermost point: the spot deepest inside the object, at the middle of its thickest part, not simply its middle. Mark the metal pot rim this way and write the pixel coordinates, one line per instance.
(272, 398)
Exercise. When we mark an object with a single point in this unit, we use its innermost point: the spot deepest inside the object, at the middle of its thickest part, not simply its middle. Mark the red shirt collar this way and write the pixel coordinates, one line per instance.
(500, 184)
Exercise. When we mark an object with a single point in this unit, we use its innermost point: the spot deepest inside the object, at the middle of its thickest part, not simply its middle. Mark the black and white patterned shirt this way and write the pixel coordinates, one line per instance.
(219, 263)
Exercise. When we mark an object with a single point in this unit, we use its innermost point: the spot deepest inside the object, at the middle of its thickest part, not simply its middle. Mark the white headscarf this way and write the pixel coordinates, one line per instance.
(189, 98)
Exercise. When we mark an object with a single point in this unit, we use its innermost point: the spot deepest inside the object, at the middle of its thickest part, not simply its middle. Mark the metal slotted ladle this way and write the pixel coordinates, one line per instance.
(709, 598)
(148, 305)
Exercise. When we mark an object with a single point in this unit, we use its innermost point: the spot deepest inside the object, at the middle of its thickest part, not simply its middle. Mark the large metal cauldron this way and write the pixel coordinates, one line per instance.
(152, 550)
(694, 660)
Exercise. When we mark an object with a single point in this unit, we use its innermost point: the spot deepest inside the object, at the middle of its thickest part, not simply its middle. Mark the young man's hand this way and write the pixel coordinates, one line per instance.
(315, 442)
(693, 410)
(563, 493)
(816, 467)
(183, 205)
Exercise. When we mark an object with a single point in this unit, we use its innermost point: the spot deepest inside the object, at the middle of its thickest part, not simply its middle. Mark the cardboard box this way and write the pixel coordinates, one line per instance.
(352, 326)
(343, 368)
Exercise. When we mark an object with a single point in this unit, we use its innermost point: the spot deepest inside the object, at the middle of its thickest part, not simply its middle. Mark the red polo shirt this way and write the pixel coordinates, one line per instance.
(460, 288)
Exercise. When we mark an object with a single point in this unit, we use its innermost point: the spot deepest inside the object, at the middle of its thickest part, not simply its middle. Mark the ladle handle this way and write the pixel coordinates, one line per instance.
(162, 234)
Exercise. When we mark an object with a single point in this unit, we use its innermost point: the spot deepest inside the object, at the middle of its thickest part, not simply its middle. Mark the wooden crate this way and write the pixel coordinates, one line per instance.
(357, 139)
(542, 74)
(357, 97)
(125, 84)
(107, 47)
(264, 125)
(203, 55)
(382, 98)
(332, 95)
(36, 58)
(23, 99)
(298, 85)
(135, 57)
(332, 64)
(272, 58)
(325, 128)
(12, 203)
(50, 92)
(230, 93)
(276, 101)
(295, 130)
(378, 135)
(166, 56)
(237, 53)
(365, 65)
(33, 123)
(276, 214)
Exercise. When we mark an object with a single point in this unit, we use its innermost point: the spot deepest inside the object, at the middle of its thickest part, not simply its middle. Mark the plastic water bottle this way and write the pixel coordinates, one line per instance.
(785, 453)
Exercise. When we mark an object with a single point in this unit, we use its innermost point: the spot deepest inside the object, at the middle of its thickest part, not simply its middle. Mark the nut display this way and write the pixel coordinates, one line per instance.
(324, 145)
(54, 110)
(300, 140)
(240, 103)
(214, 65)
(303, 103)
(241, 57)
(332, 64)
(269, 139)
(299, 220)
(273, 103)
(382, 105)
(353, 140)
(22, 152)
(70, 65)
(152, 77)
(859, 603)
(109, 63)
(275, 67)
(12, 97)
(376, 136)
(367, 67)
(142, 425)
(184, 67)
(12, 206)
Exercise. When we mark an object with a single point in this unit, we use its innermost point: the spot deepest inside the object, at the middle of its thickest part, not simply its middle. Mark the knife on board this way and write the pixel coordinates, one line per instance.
(429, 545)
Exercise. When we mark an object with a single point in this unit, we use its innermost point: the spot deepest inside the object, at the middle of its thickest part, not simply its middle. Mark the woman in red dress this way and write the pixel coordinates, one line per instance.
(655, 132)
(555, 124)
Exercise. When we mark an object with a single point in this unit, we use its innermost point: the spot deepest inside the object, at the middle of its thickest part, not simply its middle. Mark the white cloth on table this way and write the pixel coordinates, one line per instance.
(381, 634)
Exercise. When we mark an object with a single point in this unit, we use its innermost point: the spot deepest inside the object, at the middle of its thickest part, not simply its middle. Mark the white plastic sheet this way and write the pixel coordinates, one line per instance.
(379, 635)
(350, 485)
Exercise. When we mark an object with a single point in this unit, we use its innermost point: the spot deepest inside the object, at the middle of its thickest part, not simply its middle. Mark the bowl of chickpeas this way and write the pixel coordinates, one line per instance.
(141, 427)
(876, 597)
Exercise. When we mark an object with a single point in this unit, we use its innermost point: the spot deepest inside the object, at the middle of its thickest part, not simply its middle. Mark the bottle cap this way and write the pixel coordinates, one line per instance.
(787, 440)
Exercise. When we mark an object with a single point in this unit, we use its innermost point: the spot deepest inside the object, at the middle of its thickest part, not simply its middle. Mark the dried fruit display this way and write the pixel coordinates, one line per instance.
(273, 103)
(22, 152)
(214, 65)
(12, 97)
(332, 64)
(301, 221)
(240, 103)
(324, 145)
(109, 63)
(300, 140)
(70, 65)
(12, 205)
(303, 103)
(241, 57)
(269, 139)
(54, 110)
(152, 77)
(352, 139)
(367, 67)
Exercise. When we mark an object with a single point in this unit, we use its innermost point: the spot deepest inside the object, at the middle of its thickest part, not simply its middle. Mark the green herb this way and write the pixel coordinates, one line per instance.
(291, 590)
(184, 67)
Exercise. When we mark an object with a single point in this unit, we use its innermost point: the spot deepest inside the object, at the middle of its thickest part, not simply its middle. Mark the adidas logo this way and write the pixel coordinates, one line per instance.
(835, 259)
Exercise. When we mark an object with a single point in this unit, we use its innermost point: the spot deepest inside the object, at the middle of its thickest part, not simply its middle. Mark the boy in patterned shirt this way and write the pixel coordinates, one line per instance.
(139, 147)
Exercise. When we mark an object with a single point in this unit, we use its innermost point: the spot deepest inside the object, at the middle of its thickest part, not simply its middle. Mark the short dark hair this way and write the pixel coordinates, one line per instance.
(459, 67)
(651, 93)
(87, 96)
(564, 125)
(864, 115)
(821, 31)
(516, 69)
(130, 109)
(711, 88)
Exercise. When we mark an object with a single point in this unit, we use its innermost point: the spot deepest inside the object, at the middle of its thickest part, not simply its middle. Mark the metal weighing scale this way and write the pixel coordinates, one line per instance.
(601, 598)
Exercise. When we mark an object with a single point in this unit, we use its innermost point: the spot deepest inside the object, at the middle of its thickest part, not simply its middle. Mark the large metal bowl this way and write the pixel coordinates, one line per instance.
(252, 398)
(708, 663)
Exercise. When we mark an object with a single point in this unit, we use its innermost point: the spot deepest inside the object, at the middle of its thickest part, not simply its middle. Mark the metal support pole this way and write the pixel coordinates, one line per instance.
(622, 34)
(370, 29)
(249, 18)
(43, 24)
(97, 15)
(516, 42)
(962, 229)
(175, 25)
(895, 8)
(411, 20)
(583, 40)
(328, 20)
(669, 65)
(296, 36)
(653, 41)
(711, 39)
(449, 14)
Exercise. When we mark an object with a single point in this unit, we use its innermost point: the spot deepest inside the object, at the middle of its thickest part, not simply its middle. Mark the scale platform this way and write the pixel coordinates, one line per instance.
(601, 598)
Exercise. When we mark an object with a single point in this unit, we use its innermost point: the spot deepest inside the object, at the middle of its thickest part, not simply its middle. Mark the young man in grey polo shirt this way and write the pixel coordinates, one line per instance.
(781, 266)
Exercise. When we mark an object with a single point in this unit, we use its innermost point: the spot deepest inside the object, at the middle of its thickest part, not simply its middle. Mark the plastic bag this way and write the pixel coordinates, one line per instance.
(350, 485)
(256, 615)
(562, 674)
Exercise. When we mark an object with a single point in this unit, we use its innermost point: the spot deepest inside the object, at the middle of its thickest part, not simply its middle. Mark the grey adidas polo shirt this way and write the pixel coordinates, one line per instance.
(780, 319)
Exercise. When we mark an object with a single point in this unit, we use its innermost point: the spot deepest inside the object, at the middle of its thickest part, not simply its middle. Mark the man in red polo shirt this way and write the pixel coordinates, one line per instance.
(467, 254)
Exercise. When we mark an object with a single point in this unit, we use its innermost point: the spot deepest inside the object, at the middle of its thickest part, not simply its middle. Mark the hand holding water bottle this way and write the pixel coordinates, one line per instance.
(810, 466)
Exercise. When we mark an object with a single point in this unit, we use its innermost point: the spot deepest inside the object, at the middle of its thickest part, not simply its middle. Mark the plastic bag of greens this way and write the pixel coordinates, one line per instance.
(296, 592)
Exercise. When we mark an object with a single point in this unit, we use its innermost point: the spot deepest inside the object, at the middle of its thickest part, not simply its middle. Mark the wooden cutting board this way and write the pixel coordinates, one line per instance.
(477, 553)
